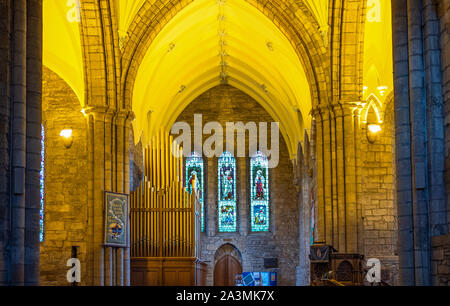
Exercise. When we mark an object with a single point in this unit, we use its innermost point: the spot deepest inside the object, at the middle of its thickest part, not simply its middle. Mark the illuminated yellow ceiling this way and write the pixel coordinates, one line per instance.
(185, 58)
(127, 9)
(61, 43)
(208, 43)
(378, 66)
(319, 8)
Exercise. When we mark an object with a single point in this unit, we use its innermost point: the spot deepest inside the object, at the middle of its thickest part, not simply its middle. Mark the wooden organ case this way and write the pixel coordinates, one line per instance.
(165, 222)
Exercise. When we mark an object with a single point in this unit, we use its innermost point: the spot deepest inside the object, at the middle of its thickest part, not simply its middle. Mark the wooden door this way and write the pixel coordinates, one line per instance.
(225, 271)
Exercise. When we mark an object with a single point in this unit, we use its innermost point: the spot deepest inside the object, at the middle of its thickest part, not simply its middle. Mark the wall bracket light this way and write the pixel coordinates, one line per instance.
(67, 136)
(372, 131)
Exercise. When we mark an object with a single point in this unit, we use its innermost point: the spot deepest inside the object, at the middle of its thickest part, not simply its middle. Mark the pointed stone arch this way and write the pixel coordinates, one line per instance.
(228, 249)
(294, 20)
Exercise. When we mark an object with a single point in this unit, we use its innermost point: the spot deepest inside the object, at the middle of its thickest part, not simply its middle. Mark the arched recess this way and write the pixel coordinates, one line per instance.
(293, 38)
(372, 103)
(227, 263)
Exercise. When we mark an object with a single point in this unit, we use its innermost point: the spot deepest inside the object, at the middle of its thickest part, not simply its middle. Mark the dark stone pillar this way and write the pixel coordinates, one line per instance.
(18, 157)
(419, 136)
(33, 148)
(5, 145)
(403, 143)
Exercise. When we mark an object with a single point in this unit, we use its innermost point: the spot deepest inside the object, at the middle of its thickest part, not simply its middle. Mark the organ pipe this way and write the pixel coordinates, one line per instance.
(164, 216)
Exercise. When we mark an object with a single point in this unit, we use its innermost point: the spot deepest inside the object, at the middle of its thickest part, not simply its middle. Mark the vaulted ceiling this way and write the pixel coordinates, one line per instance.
(209, 43)
(212, 42)
(62, 43)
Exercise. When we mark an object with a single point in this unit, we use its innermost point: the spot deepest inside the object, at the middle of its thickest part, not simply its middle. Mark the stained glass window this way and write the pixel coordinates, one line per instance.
(227, 193)
(42, 186)
(195, 179)
(259, 183)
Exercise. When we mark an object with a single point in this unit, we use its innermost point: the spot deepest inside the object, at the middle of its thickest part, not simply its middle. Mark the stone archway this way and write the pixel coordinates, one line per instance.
(295, 21)
(227, 263)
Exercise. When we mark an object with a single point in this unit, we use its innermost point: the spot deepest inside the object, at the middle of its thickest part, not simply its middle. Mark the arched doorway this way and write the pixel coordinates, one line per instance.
(227, 264)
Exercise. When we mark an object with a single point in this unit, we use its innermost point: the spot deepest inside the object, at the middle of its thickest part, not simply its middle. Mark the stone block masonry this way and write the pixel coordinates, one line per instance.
(228, 104)
(440, 256)
(66, 174)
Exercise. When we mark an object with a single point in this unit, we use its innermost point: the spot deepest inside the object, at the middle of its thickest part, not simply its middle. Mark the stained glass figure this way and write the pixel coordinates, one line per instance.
(227, 193)
(194, 180)
(259, 202)
(42, 186)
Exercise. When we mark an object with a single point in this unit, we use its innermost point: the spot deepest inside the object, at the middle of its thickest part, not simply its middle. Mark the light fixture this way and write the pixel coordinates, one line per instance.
(67, 136)
(365, 89)
(374, 128)
(372, 132)
(382, 90)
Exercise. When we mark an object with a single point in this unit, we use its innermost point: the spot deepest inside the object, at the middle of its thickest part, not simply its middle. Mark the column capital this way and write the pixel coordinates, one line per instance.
(339, 108)
(125, 117)
(106, 113)
(319, 110)
(348, 107)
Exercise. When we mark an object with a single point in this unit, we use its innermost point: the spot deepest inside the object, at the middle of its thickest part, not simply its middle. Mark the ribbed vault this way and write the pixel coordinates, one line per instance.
(209, 43)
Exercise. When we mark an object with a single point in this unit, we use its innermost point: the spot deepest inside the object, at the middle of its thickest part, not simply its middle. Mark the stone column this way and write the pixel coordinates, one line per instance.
(119, 181)
(302, 181)
(19, 85)
(349, 132)
(320, 201)
(96, 146)
(403, 145)
(337, 219)
(5, 151)
(127, 173)
(435, 116)
(211, 199)
(418, 139)
(444, 17)
(33, 131)
(419, 136)
(108, 186)
(242, 189)
(109, 148)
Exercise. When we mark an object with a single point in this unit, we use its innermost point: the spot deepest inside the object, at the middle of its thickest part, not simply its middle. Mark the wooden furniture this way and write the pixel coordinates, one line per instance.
(331, 268)
(320, 265)
(348, 268)
(165, 222)
(168, 271)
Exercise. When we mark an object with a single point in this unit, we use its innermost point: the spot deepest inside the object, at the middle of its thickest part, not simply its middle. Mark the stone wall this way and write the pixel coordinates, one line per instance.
(66, 181)
(378, 195)
(227, 104)
(440, 256)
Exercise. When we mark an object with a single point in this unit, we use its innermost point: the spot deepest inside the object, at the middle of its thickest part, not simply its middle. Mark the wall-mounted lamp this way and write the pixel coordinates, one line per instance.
(67, 136)
(365, 89)
(373, 130)
(382, 90)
